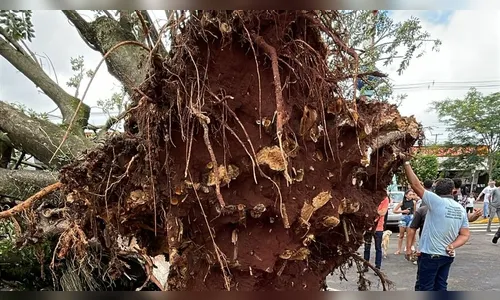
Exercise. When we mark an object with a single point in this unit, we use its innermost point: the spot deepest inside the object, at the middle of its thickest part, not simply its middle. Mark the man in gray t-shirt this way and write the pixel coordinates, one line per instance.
(494, 207)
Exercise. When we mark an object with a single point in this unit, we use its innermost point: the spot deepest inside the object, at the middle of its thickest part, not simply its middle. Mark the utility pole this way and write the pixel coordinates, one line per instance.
(436, 135)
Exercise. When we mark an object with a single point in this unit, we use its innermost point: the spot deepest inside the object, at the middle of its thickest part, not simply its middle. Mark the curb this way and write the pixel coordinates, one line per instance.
(485, 221)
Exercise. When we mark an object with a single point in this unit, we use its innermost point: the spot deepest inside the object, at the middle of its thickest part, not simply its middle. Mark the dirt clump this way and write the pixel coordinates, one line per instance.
(242, 163)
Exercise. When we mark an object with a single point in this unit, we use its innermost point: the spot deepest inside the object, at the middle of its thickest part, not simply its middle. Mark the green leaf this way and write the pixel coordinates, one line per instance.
(425, 166)
(17, 24)
(473, 120)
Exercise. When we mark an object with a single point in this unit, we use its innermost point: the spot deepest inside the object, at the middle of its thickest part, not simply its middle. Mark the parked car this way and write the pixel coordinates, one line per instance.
(394, 199)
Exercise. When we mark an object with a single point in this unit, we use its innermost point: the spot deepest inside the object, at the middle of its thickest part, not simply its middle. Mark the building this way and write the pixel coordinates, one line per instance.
(475, 178)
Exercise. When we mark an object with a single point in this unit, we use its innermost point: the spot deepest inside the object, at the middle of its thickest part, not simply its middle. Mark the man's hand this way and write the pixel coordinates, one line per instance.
(450, 250)
(415, 184)
(475, 215)
(404, 156)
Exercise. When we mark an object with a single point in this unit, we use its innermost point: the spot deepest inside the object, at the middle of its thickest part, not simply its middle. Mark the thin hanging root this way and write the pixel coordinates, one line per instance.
(258, 78)
(346, 232)
(385, 282)
(251, 147)
(151, 174)
(253, 152)
(227, 280)
(103, 59)
(252, 158)
(29, 202)
(280, 104)
(244, 148)
(204, 121)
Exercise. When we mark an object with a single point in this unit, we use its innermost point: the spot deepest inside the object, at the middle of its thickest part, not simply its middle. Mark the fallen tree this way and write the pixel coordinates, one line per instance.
(243, 160)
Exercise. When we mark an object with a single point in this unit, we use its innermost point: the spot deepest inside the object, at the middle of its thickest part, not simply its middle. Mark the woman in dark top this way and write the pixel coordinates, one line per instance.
(406, 208)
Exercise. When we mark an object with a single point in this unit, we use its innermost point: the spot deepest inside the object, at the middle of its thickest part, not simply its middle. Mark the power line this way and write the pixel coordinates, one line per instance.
(443, 88)
(433, 82)
(448, 85)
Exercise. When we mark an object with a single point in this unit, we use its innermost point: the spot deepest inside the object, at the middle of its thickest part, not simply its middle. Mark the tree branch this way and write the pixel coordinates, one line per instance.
(5, 154)
(373, 73)
(107, 13)
(26, 204)
(65, 102)
(155, 36)
(40, 138)
(109, 123)
(29, 164)
(126, 63)
(125, 20)
(20, 184)
(16, 44)
(83, 28)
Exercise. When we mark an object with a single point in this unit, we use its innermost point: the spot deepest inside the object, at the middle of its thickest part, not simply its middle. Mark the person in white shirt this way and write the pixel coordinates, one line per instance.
(469, 207)
(487, 194)
(419, 203)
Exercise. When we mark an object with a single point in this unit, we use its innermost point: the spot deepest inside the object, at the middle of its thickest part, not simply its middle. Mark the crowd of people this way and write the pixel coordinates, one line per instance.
(440, 211)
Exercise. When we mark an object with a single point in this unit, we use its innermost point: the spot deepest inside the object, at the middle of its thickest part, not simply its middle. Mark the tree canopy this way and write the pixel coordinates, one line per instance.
(473, 121)
(425, 166)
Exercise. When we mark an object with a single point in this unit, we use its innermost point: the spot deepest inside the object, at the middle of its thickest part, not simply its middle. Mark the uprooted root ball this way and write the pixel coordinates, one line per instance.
(242, 162)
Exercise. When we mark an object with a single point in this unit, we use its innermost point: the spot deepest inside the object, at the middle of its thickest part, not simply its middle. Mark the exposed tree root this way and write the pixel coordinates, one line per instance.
(204, 121)
(198, 173)
(386, 283)
(29, 202)
(281, 116)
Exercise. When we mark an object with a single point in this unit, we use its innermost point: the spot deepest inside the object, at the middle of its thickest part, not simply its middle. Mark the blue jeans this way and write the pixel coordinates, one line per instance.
(433, 271)
(486, 210)
(417, 282)
(378, 246)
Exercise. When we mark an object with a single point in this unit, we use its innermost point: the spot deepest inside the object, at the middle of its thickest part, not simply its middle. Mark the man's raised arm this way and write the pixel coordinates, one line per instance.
(415, 183)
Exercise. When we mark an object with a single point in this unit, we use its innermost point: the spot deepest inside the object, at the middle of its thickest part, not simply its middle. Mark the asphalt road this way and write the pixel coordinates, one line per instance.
(476, 266)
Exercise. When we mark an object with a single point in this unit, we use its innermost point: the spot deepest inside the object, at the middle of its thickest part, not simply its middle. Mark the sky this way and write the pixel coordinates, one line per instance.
(469, 53)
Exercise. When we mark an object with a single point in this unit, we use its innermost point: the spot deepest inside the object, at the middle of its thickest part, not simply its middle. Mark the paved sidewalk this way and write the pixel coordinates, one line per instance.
(475, 267)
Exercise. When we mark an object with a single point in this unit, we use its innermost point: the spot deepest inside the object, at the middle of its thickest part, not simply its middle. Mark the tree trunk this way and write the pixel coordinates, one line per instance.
(66, 103)
(20, 184)
(5, 154)
(40, 138)
(128, 63)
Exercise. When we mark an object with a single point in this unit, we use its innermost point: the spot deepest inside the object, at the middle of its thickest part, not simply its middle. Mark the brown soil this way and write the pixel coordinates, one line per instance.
(157, 181)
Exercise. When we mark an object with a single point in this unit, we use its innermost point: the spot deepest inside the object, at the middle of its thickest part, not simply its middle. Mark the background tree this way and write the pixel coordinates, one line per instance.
(381, 41)
(121, 31)
(473, 121)
(495, 174)
(425, 166)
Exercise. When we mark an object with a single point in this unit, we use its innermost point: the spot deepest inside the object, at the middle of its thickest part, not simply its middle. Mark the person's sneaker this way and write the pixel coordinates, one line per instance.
(495, 238)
